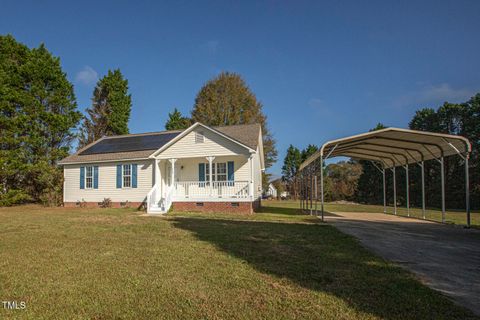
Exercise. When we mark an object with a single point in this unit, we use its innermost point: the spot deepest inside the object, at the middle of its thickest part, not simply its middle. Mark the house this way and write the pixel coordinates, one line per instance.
(200, 168)
(271, 191)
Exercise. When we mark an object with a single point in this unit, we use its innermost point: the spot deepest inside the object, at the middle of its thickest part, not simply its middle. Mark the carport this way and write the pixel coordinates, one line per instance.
(387, 149)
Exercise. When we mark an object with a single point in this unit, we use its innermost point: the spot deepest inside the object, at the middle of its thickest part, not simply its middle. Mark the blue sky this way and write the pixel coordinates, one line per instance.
(322, 70)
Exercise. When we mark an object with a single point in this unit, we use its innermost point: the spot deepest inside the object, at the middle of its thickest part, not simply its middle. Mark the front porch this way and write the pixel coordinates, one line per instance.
(220, 179)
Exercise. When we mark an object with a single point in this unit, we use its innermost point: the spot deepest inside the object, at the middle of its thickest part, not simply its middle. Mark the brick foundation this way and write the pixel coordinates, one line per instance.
(137, 205)
(233, 207)
(228, 206)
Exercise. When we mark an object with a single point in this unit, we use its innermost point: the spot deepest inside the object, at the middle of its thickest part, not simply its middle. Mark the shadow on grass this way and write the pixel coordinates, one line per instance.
(289, 211)
(320, 258)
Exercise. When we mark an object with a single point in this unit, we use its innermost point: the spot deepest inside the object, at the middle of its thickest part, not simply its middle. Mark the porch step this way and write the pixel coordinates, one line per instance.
(155, 209)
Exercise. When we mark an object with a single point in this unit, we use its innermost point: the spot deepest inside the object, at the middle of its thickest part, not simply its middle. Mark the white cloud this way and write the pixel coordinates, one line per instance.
(87, 76)
(433, 94)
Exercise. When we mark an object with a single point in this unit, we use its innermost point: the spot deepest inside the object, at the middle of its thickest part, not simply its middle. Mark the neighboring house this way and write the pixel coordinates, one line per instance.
(198, 169)
(271, 191)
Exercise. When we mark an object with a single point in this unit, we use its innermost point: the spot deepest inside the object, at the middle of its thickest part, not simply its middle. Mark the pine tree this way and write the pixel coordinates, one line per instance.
(176, 121)
(291, 164)
(227, 100)
(110, 110)
(37, 117)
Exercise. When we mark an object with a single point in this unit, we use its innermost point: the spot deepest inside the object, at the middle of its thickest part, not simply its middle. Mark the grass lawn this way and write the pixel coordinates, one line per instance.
(118, 264)
(451, 216)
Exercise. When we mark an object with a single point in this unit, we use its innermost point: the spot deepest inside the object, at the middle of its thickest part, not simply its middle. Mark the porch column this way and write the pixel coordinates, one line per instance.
(210, 176)
(172, 172)
(157, 172)
(250, 187)
(157, 183)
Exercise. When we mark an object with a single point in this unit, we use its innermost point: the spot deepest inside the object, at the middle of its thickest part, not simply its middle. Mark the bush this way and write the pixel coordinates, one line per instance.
(106, 203)
(13, 197)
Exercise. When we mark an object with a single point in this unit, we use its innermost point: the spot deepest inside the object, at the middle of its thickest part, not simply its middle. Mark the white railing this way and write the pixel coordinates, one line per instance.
(152, 198)
(168, 199)
(218, 189)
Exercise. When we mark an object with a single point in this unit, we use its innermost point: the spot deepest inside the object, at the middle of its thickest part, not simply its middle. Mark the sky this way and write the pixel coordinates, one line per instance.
(322, 69)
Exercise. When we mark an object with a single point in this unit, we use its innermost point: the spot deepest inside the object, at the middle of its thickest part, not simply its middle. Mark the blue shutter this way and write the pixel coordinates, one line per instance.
(119, 175)
(201, 172)
(134, 175)
(95, 177)
(82, 177)
(230, 170)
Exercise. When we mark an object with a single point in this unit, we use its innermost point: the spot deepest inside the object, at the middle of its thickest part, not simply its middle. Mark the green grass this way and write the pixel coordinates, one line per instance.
(278, 264)
(451, 216)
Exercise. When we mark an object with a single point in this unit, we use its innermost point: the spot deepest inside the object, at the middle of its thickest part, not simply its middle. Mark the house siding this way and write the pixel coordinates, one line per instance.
(107, 188)
(213, 145)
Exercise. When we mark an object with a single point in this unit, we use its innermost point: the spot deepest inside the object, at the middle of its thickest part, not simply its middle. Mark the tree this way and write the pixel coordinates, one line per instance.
(176, 121)
(452, 118)
(308, 151)
(342, 180)
(110, 110)
(227, 100)
(370, 182)
(291, 164)
(37, 117)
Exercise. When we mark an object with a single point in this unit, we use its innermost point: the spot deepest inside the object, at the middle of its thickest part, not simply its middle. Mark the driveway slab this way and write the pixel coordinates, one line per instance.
(444, 257)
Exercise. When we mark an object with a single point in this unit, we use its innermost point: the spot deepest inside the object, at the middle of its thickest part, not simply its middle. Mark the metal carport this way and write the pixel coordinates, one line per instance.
(387, 149)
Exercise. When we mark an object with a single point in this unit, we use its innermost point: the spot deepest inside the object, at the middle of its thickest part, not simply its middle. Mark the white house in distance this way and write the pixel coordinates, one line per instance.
(197, 169)
(271, 191)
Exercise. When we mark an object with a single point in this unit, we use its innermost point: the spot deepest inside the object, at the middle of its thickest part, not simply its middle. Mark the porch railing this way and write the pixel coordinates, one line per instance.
(218, 189)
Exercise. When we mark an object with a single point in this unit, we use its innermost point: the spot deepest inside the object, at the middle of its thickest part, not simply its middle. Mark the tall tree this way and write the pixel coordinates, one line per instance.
(176, 121)
(370, 182)
(37, 117)
(291, 164)
(308, 151)
(227, 100)
(110, 110)
(342, 180)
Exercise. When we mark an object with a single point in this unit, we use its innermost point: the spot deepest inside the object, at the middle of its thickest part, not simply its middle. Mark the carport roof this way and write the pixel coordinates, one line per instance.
(394, 147)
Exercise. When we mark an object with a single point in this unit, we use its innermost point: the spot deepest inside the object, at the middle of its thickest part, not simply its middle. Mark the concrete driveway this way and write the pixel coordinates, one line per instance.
(444, 257)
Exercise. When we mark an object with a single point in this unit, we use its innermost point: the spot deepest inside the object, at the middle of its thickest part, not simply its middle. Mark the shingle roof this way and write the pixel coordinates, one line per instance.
(142, 145)
(244, 133)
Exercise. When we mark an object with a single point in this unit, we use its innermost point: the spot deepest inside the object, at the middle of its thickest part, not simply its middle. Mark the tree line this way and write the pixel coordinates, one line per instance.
(360, 181)
(40, 122)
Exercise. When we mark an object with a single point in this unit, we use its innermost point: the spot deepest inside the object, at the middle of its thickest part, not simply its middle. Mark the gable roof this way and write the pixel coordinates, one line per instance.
(142, 145)
(239, 133)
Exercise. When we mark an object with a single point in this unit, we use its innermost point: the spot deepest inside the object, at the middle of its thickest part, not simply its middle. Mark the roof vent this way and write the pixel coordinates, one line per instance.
(199, 137)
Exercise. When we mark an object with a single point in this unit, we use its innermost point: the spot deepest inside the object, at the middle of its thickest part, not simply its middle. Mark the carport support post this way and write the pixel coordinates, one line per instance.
(442, 175)
(408, 193)
(311, 194)
(321, 185)
(316, 194)
(394, 192)
(384, 193)
(423, 189)
(467, 192)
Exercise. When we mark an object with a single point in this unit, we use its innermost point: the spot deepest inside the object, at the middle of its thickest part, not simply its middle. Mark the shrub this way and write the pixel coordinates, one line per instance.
(13, 197)
(106, 203)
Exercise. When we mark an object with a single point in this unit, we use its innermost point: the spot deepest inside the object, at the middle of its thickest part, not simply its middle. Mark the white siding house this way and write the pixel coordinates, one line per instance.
(200, 168)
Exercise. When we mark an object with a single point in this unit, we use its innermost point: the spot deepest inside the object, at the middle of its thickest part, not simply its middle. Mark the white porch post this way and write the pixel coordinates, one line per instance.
(210, 167)
(157, 182)
(172, 172)
(250, 188)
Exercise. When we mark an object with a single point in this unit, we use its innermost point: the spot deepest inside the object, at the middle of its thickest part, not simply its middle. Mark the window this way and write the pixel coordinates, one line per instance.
(199, 137)
(219, 172)
(88, 177)
(127, 175)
